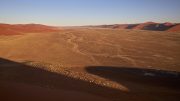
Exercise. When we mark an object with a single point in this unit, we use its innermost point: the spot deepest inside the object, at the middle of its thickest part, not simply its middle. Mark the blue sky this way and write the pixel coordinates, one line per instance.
(88, 12)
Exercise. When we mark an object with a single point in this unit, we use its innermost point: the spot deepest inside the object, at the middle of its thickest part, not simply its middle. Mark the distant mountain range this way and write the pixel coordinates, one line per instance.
(153, 26)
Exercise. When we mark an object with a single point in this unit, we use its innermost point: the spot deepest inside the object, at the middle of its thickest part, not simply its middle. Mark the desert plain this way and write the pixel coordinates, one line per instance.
(89, 63)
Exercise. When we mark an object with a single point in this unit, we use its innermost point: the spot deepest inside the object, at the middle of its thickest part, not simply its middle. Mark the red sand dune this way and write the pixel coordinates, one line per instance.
(121, 26)
(153, 26)
(8, 29)
(169, 24)
(176, 28)
(5, 29)
(143, 25)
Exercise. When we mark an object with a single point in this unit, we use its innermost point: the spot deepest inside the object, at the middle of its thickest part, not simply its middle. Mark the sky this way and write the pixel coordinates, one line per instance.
(88, 12)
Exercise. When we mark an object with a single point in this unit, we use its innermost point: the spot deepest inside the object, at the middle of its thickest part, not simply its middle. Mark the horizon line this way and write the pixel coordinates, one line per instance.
(88, 24)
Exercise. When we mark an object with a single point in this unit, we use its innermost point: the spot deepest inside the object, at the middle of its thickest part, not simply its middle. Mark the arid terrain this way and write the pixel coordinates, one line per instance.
(89, 63)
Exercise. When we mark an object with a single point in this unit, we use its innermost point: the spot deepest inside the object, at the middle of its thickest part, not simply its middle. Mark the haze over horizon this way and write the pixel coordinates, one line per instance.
(88, 12)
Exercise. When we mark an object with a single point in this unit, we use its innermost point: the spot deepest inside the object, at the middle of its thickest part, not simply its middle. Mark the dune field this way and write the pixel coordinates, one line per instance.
(89, 63)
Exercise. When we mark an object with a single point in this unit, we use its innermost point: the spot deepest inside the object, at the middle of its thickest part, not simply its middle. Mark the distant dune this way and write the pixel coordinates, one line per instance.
(175, 28)
(15, 29)
(123, 26)
(144, 25)
(158, 26)
(152, 26)
(8, 29)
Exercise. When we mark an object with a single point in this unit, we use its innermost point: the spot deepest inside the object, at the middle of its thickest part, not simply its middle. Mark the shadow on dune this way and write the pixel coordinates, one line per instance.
(131, 26)
(42, 82)
(130, 77)
(19, 73)
(157, 27)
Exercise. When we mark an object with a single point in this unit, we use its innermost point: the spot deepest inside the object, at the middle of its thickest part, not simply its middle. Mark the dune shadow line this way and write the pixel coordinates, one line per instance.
(127, 75)
(20, 73)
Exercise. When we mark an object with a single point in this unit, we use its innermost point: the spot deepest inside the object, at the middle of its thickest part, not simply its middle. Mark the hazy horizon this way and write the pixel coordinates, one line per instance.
(88, 12)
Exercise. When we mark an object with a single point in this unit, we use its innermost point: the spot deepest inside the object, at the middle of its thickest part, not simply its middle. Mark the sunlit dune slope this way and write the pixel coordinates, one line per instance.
(8, 29)
(175, 28)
